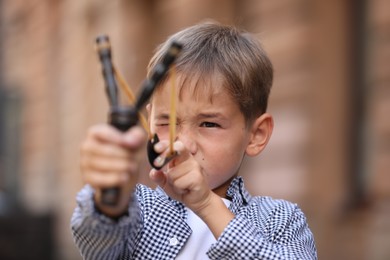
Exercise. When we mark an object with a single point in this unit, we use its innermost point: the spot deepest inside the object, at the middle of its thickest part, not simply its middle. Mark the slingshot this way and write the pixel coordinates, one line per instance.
(124, 117)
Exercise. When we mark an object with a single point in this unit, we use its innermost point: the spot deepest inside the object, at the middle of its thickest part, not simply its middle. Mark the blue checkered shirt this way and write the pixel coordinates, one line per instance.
(155, 228)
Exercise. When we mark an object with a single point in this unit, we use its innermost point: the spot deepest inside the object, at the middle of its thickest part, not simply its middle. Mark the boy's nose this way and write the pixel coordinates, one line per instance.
(187, 137)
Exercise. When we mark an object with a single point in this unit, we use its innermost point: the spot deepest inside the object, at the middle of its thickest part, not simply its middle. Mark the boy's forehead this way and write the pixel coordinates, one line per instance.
(196, 85)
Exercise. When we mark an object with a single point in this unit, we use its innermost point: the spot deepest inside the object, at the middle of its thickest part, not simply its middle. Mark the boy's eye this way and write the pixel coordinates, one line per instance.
(161, 123)
(209, 124)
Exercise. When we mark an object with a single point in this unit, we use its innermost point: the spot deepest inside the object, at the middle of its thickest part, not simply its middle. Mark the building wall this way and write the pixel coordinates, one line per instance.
(330, 151)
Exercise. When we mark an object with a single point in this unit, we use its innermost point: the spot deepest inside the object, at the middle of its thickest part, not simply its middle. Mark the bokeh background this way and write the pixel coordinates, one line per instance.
(330, 151)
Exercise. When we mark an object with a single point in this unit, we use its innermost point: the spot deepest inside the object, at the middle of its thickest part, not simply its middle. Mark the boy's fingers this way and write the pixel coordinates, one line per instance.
(182, 153)
(158, 177)
(104, 164)
(132, 138)
(105, 133)
(135, 137)
(162, 147)
(99, 149)
(106, 180)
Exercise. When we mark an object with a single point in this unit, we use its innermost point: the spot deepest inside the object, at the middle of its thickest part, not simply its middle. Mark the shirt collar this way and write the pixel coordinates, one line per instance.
(237, 194)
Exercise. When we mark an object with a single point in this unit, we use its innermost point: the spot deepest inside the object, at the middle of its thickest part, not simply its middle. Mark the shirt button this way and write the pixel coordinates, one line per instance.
(173, 241)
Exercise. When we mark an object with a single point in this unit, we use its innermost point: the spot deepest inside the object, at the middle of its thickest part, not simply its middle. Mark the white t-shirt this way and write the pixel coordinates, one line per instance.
(201, 238)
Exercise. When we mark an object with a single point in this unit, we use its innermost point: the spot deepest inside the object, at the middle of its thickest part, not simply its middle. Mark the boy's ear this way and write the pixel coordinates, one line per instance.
(261, 131)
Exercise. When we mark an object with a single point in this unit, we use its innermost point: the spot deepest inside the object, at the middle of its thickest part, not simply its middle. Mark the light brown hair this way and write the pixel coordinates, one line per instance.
(211, 49)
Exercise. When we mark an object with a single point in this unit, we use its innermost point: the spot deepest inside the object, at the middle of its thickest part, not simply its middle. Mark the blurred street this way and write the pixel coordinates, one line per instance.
(329, 153)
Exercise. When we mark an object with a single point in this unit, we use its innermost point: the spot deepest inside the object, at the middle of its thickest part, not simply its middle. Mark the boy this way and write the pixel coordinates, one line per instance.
(201, 208)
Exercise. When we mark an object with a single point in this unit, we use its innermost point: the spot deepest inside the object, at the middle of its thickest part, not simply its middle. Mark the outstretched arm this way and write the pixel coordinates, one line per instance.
(109, 158)
(100, 237)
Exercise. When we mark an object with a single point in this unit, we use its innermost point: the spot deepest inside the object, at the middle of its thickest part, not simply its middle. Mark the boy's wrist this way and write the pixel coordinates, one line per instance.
(114, 212)
(216, 215)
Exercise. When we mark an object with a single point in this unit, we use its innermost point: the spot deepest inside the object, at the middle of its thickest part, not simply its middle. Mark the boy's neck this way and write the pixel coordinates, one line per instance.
(222, 189)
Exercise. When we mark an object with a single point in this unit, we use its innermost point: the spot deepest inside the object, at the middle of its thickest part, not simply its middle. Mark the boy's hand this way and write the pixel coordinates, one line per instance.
(185, 181)
(109, 158)
(182, 178)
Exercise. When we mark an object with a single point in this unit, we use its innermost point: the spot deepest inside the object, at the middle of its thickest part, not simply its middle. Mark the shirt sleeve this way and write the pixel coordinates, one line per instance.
(100, 237)
(283, 234)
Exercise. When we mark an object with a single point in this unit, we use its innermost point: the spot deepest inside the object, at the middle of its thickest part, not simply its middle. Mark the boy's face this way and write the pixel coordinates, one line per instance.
(210, 125)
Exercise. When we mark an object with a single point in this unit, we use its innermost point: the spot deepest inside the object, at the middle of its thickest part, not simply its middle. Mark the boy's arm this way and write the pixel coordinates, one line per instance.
(100, 237)
(283, 234)
(216, 215)
(108, 158)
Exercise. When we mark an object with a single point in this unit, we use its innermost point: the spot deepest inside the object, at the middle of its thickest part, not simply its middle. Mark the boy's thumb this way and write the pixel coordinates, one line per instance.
(158, 177)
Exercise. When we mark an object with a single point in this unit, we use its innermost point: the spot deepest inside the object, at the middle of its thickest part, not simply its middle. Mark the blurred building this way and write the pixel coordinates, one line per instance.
(330, 151)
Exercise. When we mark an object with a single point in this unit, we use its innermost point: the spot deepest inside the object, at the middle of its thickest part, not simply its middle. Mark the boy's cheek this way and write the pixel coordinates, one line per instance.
(162, 132)
(159, 129)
